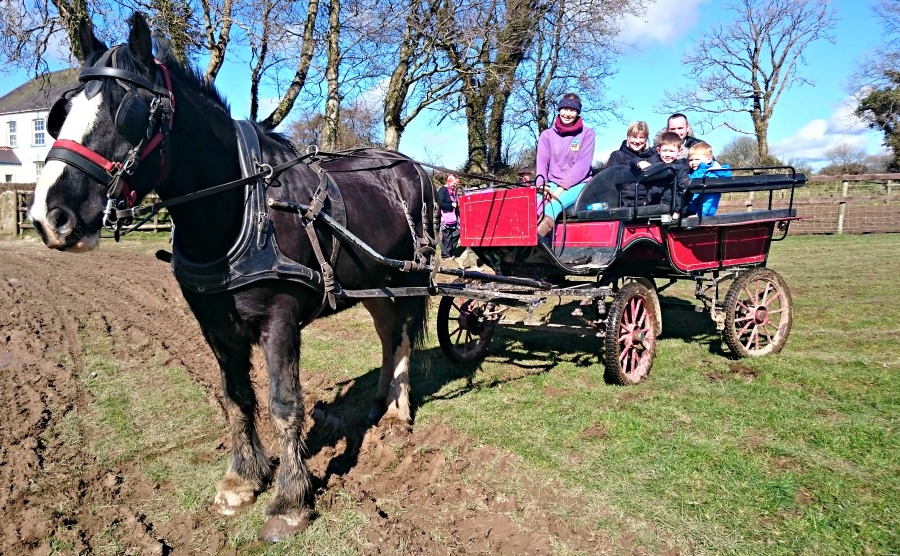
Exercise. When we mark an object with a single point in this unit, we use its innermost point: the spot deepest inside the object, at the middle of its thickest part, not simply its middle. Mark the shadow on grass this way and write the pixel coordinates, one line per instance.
(682, 322)
(345, 421)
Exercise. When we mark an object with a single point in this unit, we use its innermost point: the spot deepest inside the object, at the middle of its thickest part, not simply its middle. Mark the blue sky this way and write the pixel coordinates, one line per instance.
(808, 120)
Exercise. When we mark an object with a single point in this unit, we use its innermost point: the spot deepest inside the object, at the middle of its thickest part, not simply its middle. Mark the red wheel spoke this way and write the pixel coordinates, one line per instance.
(765, 301)
(745, 328)
(750, 339)
(642, 318)
(765, 296)
(456, 334)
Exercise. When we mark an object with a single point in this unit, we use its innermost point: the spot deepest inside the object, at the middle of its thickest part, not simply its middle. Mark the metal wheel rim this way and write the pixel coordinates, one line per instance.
(463, 338)
(635, 334)
(761, 315)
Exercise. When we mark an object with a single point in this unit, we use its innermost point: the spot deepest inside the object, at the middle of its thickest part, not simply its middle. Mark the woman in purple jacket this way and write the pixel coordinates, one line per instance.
(564, 155)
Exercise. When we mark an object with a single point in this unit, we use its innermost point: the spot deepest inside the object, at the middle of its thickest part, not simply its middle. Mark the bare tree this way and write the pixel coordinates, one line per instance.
(845, 159)
(420, 76)
(558, 65)
(358, 127)
(884, 57)
(740, 152)
(302, 63)
(30, 32)
(485, 42)
(876, 82)
(746, 64)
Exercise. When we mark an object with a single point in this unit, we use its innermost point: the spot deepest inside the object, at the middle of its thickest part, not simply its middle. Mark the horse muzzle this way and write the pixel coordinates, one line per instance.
(60, 230)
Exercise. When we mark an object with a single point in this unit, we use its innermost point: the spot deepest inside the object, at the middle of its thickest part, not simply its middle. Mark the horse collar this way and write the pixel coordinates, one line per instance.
(255, 254)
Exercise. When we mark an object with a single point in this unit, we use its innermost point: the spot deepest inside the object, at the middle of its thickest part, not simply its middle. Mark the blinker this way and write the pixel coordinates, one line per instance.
(132, 118)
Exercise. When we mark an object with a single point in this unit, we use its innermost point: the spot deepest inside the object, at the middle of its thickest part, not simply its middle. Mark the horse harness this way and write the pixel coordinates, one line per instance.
(144, 126)
(255, 254)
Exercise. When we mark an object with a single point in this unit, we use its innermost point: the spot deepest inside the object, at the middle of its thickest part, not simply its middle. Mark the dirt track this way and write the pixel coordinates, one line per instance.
(48, 482)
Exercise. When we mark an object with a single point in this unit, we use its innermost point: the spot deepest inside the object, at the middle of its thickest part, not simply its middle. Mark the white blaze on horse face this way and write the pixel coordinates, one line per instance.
(80, 121)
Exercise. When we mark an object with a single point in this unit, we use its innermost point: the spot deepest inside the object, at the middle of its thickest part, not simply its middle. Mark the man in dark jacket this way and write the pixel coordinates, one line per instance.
(678, 124)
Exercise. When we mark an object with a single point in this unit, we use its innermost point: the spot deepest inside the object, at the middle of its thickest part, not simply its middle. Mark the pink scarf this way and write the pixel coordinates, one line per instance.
(572, 129)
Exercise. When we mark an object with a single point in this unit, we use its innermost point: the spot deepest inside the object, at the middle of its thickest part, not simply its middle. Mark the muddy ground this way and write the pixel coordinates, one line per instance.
(48, 483)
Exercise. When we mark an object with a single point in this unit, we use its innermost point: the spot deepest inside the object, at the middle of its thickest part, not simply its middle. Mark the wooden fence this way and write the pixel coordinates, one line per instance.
(161, 222)
(857, 204)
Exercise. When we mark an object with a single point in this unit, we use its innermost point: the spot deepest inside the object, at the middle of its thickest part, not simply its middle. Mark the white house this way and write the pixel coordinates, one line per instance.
(24, 141)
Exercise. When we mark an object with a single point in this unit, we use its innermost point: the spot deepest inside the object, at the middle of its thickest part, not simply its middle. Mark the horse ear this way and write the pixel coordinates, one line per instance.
(87, 41)
(140, 41)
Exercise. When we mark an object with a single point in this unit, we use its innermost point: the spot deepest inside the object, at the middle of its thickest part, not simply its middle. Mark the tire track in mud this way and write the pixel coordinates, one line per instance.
(431, 491)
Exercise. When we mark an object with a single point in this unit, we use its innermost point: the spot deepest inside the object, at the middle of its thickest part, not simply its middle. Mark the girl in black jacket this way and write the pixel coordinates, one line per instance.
(634, 146)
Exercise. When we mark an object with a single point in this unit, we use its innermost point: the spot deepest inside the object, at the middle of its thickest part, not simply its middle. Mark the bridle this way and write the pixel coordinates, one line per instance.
(145, 127)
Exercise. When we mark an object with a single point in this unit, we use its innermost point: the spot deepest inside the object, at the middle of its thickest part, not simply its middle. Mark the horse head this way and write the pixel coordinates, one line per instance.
(115, 120)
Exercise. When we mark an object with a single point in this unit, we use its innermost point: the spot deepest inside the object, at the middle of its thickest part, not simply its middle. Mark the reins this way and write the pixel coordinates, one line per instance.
(267, 172)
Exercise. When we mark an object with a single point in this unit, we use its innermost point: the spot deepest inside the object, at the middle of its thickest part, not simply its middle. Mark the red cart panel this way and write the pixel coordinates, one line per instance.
(498, 218)
(699, 249)
(746, 244)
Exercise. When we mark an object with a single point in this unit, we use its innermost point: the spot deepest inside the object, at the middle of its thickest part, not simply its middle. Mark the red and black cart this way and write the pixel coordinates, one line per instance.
(616, 261)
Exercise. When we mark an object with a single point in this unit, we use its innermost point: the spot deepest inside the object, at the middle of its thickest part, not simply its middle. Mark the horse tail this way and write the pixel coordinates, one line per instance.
(419, 332)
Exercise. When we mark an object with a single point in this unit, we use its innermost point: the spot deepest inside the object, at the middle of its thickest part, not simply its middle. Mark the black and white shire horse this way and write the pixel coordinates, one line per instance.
(256, 262)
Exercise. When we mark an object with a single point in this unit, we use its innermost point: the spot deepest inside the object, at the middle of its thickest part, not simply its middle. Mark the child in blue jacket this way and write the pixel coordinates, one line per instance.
(703, 163)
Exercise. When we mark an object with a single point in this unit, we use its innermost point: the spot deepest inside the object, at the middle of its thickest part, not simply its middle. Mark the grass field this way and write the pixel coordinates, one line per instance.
(789, 454)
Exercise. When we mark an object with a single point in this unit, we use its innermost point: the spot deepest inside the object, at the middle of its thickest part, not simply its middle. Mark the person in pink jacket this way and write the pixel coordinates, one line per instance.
(565, 152)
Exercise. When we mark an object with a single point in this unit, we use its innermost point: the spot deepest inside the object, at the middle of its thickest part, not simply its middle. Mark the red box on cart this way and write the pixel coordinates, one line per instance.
(498, 217)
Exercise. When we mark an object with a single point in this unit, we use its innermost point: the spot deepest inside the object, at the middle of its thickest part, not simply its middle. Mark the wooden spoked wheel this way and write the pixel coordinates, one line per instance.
(758, 313)
(464, 329)
(630, 335)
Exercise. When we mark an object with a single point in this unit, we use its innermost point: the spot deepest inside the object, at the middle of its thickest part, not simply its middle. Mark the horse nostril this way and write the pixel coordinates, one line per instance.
(62, 221)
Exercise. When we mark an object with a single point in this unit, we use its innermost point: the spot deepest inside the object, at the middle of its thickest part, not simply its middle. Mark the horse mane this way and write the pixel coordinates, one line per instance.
(188, 74)
(191, 75)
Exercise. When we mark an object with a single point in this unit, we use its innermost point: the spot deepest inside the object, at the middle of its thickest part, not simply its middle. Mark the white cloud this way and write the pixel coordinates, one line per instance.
(665, 22)
(813, 140)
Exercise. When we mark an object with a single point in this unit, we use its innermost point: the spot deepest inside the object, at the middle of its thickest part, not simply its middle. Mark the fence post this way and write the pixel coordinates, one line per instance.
(750, 201)
(842, 207)
(9, 212)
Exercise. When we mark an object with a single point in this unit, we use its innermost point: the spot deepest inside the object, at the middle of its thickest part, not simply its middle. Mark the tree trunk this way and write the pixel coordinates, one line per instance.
(512, 44)
(398, 88)
(71, 15)
(306, 53)
(762, 140)
(476, 105)
(333, 102)
(216, 47)
(258, 67)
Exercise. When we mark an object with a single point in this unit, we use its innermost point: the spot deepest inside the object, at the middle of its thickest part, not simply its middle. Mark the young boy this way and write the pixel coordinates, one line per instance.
(703, 163)
(667, 148)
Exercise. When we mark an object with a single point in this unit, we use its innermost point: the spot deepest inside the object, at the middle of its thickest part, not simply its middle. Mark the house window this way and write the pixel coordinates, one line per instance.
(39, 132)
(9, 178)
(38, 168)
(11, 134)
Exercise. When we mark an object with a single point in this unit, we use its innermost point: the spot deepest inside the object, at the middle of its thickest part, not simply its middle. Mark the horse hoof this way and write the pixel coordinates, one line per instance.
(280, 527)
(397, 426)
(228, 503)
